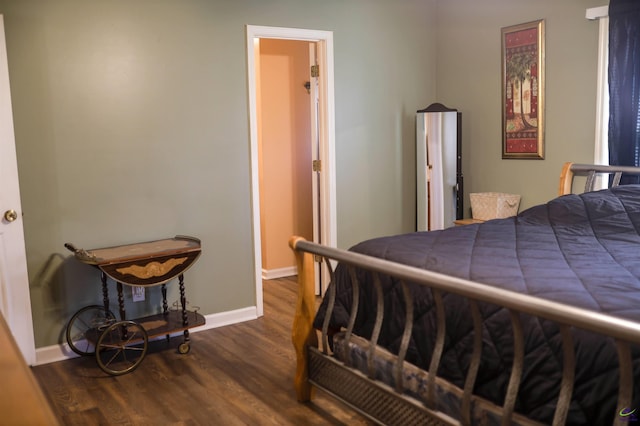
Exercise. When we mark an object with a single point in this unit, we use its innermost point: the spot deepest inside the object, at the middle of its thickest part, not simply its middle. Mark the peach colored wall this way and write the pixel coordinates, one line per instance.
(285, 149)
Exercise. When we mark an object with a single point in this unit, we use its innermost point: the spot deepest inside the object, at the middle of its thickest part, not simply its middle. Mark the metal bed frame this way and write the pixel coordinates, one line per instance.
(316, 367)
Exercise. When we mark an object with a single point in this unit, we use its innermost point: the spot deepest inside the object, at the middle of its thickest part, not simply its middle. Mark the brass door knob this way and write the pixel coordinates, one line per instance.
(10, 215)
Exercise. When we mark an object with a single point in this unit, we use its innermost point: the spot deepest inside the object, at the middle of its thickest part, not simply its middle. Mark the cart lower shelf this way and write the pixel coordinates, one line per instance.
(120, 346)
(171, 322)
(157, 325)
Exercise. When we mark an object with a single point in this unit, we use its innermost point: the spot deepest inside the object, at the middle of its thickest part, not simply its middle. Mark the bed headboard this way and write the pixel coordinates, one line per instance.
(591, 171)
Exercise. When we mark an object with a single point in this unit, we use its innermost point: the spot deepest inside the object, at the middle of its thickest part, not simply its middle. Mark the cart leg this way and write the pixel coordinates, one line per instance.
(165, 306)
(185, 318)
(123, 314)
(105, 291)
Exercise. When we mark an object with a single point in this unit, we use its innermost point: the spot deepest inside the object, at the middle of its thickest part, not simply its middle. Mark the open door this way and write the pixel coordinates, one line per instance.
(15, 302)
(315, 151)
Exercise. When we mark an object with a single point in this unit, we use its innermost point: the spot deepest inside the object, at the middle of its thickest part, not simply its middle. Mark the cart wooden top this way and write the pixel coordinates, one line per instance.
(139, 251)
(147, 263)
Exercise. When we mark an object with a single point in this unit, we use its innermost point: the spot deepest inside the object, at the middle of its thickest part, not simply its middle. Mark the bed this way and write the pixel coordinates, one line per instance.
(533, 319)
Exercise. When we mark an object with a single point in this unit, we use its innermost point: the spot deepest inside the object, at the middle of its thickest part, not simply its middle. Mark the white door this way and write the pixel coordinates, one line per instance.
(315, 152)
(15, 303)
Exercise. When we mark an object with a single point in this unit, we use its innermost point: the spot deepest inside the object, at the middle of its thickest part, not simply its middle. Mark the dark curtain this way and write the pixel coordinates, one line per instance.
(624, 83)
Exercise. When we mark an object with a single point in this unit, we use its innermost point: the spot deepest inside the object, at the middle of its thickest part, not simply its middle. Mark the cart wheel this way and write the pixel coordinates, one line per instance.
(121, 347)
(184, 348)
(85, 326)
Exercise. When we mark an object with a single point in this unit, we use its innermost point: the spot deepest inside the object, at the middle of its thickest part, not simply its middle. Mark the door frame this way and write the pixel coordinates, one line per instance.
(326, 127)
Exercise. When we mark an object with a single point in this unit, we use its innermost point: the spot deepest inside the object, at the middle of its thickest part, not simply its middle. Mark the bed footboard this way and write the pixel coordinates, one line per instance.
(389, 405)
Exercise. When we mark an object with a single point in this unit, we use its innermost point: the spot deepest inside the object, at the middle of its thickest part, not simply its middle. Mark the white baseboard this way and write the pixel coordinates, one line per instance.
(62, 352)
(272, 274)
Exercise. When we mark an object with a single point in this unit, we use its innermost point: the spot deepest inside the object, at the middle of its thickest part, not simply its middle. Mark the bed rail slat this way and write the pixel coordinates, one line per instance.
(516, 369)
(438, 348)
(616, 179)
(330, 306)
(591, 177)
(568, 375)
(406, 336)
(377, 326)
(355, 305)
(472, 374)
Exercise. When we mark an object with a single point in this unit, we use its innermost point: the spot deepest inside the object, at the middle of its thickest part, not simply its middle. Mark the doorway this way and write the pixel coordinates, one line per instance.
(285, 153)
(325, 222)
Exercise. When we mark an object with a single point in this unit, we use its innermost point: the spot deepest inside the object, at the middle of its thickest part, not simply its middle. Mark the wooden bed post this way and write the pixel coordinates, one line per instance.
(303, 334)
(566, 180)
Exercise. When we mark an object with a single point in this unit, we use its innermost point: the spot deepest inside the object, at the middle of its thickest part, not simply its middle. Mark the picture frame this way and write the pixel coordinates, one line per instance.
(523, 92)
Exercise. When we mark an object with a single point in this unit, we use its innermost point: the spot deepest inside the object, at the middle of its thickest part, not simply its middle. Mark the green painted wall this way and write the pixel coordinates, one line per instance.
(469, 79)
(131, 124)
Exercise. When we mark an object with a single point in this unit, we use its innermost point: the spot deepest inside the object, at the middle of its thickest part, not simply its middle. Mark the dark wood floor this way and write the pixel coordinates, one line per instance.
(240, 374)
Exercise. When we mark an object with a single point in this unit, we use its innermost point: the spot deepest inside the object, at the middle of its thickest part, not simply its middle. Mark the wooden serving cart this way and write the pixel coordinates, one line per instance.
(120, 346)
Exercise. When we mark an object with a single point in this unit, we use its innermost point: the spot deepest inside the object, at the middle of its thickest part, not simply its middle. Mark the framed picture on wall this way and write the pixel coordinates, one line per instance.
(523, 91)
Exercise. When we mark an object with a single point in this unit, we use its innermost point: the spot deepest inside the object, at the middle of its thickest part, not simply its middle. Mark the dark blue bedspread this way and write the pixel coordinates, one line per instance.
(582, 250)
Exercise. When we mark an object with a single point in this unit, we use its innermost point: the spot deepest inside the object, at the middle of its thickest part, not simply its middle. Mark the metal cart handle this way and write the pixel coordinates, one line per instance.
(81, 254)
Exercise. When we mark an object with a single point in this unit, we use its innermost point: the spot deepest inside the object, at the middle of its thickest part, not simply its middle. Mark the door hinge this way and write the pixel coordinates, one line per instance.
(317, 258)
(317, 166)
(315, 71)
